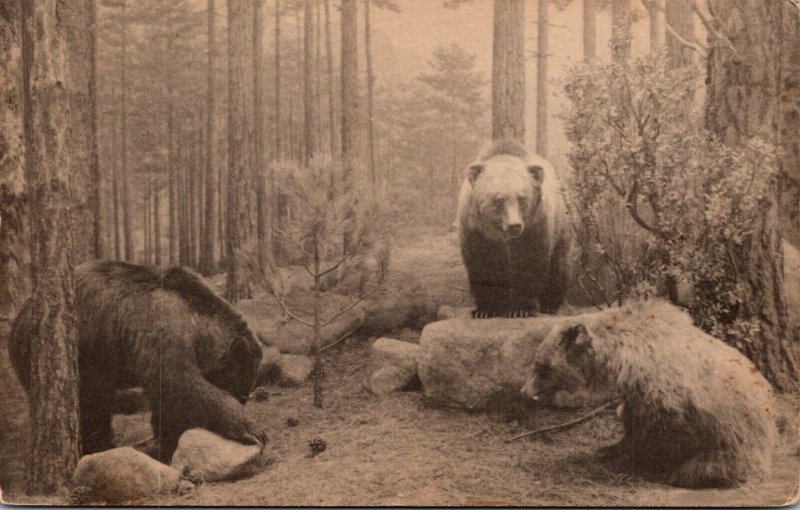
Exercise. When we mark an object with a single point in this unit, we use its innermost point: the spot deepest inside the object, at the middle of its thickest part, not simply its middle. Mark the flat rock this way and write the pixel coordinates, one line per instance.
(123, 475)
(211, 456)
(478, 364)
(295, 369)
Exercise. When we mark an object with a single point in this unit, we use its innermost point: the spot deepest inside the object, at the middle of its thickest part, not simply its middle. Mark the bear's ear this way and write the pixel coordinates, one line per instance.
(537, 172)
(474, 171)
(576, 339)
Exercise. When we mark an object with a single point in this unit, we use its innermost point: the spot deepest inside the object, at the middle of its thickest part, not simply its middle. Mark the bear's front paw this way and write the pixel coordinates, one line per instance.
(520, 314)
(481, 314)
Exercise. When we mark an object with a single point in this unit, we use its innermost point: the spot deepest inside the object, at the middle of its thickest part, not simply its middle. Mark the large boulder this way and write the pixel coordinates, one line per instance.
(479, 364)
(122, 475)
(212, 457)
(295, 369)
(394, 365)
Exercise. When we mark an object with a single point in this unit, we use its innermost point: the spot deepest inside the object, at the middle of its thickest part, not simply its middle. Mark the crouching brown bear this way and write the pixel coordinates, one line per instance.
(696, 412)
(512, 229)
(164, 330)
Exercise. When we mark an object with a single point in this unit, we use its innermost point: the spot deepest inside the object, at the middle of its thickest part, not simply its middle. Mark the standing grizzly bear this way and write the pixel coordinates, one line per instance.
(166, 331)
(512, 229)
(695, 410)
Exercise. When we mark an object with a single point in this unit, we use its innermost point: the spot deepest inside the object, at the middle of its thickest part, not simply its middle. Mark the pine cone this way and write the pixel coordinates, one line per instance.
(292, 421)
(260, 394)
(317, 446)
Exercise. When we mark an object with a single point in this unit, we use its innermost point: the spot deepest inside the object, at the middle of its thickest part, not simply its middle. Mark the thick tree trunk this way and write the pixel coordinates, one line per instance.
(115, 178)
(329, 59)
(541, 80)
(309, 95)
(98, 232)
(260, 156)
(241, 148)
(508, 70)
(172, 195)
(744, 100)
(55, 140)
(621, 36)
(370, 96)
(589, 30)
(678, 14)
(207, 255)
(146, 218)
(349, 70)
(14, 220)
(275, 215)
(127, 213)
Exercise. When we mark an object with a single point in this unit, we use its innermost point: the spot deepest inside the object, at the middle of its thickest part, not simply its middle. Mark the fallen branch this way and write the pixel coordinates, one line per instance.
(338, 340)
(609, 405)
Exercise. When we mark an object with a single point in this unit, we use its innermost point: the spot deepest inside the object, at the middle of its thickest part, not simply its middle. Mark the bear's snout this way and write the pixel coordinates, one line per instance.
(513, 230)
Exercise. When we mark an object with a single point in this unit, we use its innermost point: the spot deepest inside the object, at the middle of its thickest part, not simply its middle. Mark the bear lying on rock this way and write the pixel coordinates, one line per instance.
(695, 410)
(164, 330)
(512, 229)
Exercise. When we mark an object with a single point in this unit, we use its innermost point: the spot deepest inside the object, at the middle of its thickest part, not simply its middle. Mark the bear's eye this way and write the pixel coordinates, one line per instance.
(498, 203)
(523, 200)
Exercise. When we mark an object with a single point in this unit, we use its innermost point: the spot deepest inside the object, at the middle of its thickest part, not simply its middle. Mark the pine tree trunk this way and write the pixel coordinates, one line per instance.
(678, 14)
(127, 213)
(318, 73)
(508, 70)
(349, 70)
(743, 100)
(541, 80)
(98, 232)
(589, 30)
(115, 187)
(329, 59)
(241, 188)
(146, 229)
(14, 219)
(156, 222)
(207, 255)
(309, 96)
(370, 99)
(170, 142)
(260, 160)
(55, 138)
(621, 36)
(274, 196)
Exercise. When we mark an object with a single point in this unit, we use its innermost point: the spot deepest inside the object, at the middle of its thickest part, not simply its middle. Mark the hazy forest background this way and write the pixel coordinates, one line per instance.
(179, 132)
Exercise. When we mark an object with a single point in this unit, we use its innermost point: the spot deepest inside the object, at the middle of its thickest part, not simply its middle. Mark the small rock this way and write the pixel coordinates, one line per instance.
(388, 351)
(295, 369)
(123, 475)
(292, 421)
(389, 378)
(269, 371)
(211, 456)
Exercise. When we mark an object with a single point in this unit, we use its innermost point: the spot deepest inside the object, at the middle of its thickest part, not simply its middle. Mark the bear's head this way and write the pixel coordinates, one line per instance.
(563, 363)
(506, 192)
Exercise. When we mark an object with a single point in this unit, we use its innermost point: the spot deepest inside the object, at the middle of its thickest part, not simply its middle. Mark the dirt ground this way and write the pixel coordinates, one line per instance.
(398, 451)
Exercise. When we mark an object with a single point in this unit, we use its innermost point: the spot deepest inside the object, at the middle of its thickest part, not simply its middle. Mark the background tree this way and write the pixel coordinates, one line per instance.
(349, 66)
(508, 70)
(621, 23)
(678, 14)
(541, 78)
(241, 190)
(589, 30)
(310, 114)
(207, 256)
(745, 80)
(14, 220)
(55, 136)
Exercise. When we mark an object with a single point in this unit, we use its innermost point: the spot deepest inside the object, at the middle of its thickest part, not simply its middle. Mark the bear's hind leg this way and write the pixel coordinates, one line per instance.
(706, 470)
(96, 409)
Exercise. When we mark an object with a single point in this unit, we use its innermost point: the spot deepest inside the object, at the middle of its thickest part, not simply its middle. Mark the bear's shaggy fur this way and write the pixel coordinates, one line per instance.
(695, 410)
(512, 226)
(164, 330)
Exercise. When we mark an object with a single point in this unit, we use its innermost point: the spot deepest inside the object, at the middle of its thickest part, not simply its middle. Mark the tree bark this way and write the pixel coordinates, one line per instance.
(260, 161)
(621, 22)
(678, 14)
(541, 80)
(156, 222)
(14, 253)
(241, 196)
(744, 100)
(127, 213)
(508, 70)
(309, 96)
(207, 254)
(349, 70)
(370, 96)
(655, 12)
(97, 178)
(55, 140)
(329, 58)
(589, 30)
(172, 194)
(115, 187)
(275, 211)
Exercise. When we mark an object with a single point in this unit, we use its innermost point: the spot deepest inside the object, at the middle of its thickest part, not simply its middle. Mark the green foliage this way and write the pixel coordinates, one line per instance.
(690, 203)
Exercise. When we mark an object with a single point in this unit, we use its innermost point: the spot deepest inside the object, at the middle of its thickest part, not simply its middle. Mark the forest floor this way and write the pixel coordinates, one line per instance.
(397, 451)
